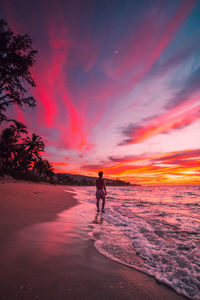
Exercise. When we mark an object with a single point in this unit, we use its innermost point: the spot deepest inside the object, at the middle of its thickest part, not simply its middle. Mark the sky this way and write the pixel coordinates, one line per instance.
(117, 86)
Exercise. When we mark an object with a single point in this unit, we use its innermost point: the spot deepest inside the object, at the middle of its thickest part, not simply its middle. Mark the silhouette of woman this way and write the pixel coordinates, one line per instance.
(101, 191)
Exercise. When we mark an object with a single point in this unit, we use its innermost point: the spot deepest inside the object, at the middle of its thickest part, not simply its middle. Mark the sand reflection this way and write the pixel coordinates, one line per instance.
(98, 219)
(43, 240)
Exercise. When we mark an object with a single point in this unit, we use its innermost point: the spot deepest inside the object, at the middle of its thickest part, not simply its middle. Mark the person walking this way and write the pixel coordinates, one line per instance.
(100, 191)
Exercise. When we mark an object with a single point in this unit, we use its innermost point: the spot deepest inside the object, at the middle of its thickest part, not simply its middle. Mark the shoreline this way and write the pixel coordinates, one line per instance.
(47, 253)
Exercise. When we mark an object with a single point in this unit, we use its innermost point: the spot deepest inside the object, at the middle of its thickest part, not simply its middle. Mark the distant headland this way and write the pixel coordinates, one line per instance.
(82, 180)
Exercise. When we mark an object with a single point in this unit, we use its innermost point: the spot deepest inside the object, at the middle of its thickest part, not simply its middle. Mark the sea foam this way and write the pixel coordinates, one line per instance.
(153, 229)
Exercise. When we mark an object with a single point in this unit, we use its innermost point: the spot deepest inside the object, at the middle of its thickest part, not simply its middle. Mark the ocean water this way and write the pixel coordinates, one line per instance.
(153, 229)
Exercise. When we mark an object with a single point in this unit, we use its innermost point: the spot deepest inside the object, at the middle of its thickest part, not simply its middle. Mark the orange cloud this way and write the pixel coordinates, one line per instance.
(179, 167)
(61, 164)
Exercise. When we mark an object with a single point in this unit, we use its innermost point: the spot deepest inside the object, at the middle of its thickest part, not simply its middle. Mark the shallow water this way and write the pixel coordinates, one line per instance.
(153, 229)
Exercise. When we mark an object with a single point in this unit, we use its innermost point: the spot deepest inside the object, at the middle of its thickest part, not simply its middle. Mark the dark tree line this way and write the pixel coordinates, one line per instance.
(19, 153)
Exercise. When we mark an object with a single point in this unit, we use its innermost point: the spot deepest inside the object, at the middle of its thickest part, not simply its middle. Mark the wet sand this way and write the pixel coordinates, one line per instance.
(45, 251)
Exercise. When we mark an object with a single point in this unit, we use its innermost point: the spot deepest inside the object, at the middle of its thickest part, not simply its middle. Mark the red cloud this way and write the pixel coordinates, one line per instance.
(60, 111)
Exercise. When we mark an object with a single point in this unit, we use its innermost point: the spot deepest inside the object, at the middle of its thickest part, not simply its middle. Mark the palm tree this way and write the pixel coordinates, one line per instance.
(29, 152)
(49, 170)
(10, 147)
(34, 146)
(18, 129)
(43, 168)
(17, 148)
(7, 140)
(8, 137)
(39, 166)
(17, 154)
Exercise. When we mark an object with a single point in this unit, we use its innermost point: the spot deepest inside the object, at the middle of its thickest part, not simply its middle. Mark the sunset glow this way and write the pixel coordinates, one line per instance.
(117, 86)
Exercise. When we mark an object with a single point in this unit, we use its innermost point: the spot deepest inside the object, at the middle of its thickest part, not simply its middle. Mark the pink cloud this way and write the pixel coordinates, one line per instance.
(176, 118)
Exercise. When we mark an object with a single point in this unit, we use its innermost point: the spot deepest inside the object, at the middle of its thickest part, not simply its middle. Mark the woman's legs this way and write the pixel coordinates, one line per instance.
(100, 195)
(103, 204)
(98, 210)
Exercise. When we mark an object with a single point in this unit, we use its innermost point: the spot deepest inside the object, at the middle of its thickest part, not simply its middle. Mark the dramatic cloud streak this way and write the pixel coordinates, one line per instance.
(176, 118)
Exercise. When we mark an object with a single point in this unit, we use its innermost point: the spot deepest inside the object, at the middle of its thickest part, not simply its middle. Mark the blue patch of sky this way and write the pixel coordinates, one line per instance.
(182, 56)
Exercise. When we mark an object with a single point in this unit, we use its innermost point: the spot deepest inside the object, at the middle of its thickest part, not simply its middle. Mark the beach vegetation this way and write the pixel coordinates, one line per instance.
(34, 146)
(43, 168)
(20, 154)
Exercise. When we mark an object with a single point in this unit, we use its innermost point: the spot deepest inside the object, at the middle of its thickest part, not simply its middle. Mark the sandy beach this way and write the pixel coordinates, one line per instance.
(46, 252)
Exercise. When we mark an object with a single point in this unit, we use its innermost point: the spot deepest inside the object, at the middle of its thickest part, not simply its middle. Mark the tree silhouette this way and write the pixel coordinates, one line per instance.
(18, 129)
(39, 166)
(18, 156)
(17, 148)
(16, 58)
(43, 168)
(7, 140)
(34, 146)
(10, 148)
(49, 170)
(22, 155)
